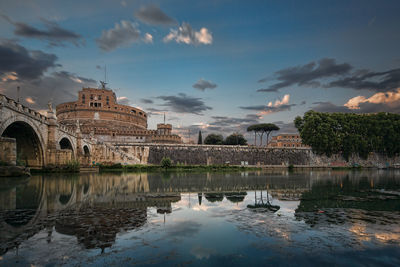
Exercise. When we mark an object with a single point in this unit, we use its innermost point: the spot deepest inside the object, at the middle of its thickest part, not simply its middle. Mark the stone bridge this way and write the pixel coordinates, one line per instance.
(29, 137)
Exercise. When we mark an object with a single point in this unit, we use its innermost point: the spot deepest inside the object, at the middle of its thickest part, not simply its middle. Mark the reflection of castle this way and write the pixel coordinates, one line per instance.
(94, 208)
(99, 114)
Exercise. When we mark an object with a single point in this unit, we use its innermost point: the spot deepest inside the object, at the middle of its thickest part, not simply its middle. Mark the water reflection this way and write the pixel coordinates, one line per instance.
(278, 208)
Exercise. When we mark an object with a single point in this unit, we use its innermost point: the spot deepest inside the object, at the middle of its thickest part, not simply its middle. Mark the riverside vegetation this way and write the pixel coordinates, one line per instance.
(349, 133)
(166, 164)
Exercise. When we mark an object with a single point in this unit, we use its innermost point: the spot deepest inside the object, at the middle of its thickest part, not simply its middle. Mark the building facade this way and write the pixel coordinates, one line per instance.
(286, 140)
(99, 115)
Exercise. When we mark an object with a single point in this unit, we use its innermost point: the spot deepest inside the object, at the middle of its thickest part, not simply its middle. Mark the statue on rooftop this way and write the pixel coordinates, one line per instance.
(50, 105)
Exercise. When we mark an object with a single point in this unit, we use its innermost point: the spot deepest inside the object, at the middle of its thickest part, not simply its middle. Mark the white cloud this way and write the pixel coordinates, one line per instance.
(201, 125)
(204, 36)
(185, 34)
(284, 101)
(122, 34)
(123, 100)
(148, 38)
(378, 98)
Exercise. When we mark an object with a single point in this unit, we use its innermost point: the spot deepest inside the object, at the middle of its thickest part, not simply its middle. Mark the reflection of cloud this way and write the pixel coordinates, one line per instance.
(202, 253)
(183, 229)
(359, 230)
(387, 237)
(203, 207)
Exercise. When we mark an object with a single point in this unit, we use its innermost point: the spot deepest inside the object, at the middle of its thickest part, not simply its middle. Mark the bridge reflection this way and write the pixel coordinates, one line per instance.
(96, 207)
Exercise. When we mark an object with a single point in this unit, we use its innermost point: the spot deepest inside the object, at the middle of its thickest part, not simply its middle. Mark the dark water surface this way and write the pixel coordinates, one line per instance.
(221, 219)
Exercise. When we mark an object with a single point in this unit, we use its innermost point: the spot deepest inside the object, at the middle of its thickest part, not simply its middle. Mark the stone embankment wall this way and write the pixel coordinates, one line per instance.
(255, 156)
(234, 155)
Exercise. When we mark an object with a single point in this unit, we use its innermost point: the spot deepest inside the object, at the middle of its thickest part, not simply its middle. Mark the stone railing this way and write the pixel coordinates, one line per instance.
(66, 130)
(18, 107)
(123, 155)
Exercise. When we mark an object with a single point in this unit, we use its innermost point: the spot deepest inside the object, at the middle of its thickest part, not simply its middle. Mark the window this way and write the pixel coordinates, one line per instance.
(83, 99)
(99, 97)
(91, 97)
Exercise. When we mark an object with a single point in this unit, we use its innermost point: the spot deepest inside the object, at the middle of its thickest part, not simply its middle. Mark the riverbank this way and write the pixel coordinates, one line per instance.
(185, 168)
(155, 168)
(14, 171)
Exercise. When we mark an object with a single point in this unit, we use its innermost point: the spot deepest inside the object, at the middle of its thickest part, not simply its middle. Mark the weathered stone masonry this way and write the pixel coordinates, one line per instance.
(208, 155)
(235, 155)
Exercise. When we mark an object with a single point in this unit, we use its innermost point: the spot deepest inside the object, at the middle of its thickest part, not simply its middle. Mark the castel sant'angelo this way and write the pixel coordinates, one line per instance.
(99, 115)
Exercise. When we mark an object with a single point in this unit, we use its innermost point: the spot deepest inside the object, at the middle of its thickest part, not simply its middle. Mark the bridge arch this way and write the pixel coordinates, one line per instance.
(30, 142)
(66, 143)
(86, 151)
(30, 208)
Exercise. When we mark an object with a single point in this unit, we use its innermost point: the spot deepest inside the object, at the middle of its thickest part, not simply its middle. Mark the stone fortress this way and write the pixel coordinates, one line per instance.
(95, 129)
(99, 115)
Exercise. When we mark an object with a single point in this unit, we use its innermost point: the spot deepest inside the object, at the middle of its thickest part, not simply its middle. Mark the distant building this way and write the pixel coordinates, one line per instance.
(286, 140)
(98, 114)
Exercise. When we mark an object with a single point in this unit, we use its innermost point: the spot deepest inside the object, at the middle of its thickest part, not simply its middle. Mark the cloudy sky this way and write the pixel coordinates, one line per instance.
(212, 65)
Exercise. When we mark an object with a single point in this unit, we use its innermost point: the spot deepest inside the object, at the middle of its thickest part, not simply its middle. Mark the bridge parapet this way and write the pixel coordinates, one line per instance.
(18, 107)
(66, 130)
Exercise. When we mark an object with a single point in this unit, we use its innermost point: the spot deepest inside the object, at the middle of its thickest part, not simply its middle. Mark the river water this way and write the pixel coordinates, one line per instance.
(217, 219)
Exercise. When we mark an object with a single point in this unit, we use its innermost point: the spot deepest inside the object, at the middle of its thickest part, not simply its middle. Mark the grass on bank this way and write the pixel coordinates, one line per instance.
(149, 168)
(72, 166)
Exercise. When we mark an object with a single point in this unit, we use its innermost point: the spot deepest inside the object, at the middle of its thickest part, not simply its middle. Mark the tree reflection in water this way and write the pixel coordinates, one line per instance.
(263, 205)
(287, 210)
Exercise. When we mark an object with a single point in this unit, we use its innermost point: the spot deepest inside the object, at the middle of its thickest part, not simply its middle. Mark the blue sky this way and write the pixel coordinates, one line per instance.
(322, 55)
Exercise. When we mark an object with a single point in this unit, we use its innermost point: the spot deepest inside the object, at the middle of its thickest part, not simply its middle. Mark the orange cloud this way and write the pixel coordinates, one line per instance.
(9, 76)
(284, 101)
(30, 100)
(275, 107)
(378, 98)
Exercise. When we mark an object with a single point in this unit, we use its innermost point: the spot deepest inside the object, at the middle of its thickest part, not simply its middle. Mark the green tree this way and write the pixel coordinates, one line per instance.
(200, 139)
(261, 129)
(349, 133)
(214, 139)
(166, 162)
(235, 139)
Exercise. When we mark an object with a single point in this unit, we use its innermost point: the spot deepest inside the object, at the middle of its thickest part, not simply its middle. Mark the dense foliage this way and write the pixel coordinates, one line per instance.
(235, 139)
(348, 133)
(214, 139)
(166, 162)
